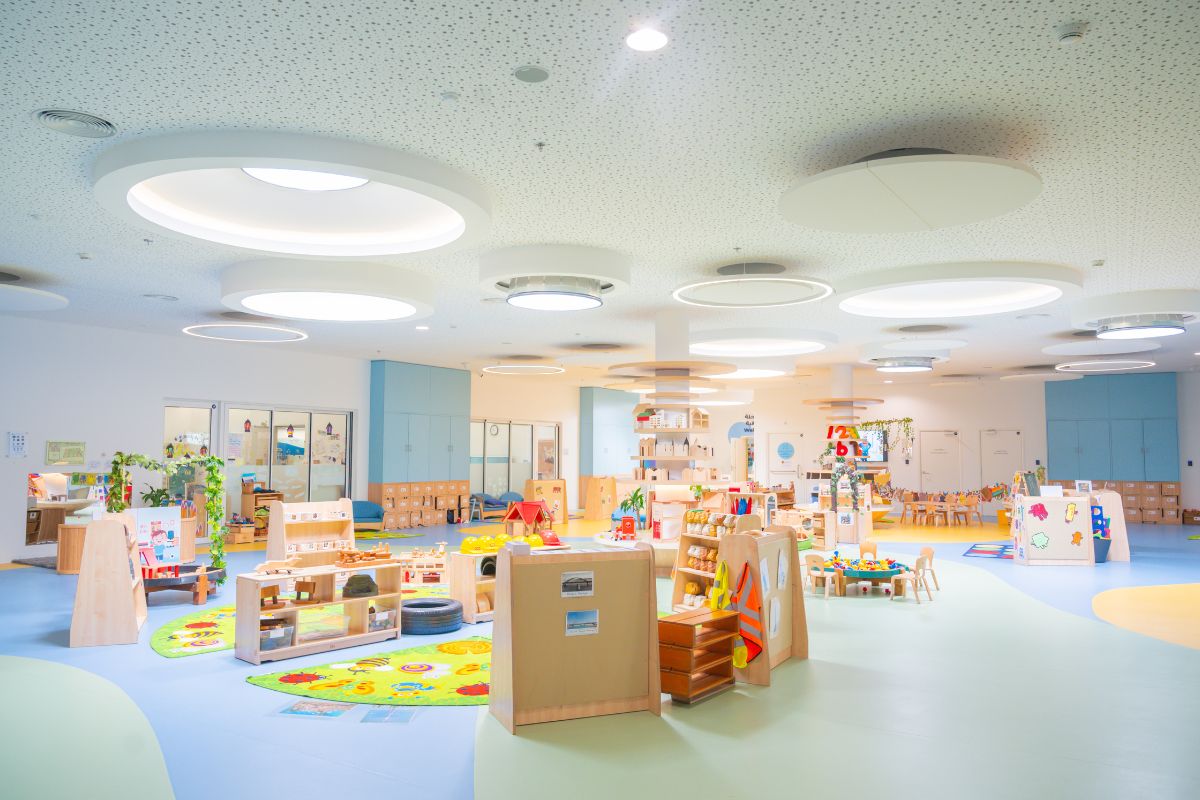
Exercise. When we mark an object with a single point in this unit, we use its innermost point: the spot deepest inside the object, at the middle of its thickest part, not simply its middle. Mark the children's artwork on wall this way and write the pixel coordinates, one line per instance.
(159, 529)
(1039, 511)
(1040, 540)
(1071, 510)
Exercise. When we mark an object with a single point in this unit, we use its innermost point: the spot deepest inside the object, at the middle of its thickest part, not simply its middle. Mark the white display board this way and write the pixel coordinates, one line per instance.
(160, 529)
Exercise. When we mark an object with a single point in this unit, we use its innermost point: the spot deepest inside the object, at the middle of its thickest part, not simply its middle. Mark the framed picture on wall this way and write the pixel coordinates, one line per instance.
(1083, 487)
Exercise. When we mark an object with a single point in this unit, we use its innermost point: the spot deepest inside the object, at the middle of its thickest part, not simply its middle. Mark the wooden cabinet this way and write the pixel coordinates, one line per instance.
(251, 501)
(695, 653)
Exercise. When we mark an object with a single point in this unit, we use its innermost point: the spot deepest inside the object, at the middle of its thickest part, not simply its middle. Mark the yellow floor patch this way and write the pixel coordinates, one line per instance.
(13, 566)
(1170, 613)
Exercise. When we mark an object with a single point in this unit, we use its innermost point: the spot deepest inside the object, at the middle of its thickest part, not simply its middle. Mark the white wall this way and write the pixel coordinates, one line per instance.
(526, 398)
(968, 409)
(108, 388)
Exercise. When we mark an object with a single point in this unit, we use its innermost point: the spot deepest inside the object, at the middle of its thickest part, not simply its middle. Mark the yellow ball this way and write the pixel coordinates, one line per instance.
(487, 545)
(534, 540)
(501, 540)
(471, 545)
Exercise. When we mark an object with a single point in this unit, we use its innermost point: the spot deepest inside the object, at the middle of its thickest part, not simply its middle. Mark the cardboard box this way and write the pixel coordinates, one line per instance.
(1169, 501)
(389, 490)
(402, 489)
(444, 502)
(1151, 501)
(1131, 500)
(402, 503)
(426, 488)
(1130, 487)
(1133, 514)
(1169, 489)
(1170, 516)
(1191, 516)
(391, 521)
(462, 487)
(441, 488)
(1151, 515)
(1146, 488)
(414, 519)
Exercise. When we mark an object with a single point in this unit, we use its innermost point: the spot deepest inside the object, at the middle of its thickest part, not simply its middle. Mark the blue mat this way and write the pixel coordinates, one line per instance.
(990, 550)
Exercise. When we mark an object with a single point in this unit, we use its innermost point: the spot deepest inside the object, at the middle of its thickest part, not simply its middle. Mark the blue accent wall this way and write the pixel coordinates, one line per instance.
(420, 423)
(607, 442)
(1113, 427)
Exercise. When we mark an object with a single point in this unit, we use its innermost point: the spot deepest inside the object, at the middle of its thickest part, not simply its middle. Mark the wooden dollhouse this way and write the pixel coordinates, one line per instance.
(526, 517)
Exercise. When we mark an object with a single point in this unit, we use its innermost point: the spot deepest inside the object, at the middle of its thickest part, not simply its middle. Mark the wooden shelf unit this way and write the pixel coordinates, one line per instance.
(251, 502)
(684, 574)
(695, 653)
(473, 583)
(314, 532)
(110, 600)
(250, 614)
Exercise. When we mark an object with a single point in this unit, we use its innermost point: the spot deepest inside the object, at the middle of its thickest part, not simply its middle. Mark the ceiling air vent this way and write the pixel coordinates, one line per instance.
(75, 123)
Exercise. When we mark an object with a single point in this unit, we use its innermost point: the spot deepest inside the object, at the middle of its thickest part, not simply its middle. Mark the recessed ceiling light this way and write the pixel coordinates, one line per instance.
(1110, 365)
(245, 332)
(1141, 326)
(646, 40)
(554, 277)
(422, 327)
(523, 369)
(169, 298)
(23, 298)
(199, 185)
(904, 364)
(957, 289)
(910, 189)
(353, 291)
(304, 179)
(889, 381)
(758, 342)
(742, 374)
(531, 74)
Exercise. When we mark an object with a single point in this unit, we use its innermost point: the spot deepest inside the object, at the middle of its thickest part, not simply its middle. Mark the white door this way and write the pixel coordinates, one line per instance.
(1001, 454)
(941, 461)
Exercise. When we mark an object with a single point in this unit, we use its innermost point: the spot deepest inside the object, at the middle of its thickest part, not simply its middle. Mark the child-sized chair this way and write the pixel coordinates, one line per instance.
(927, 554)
(915, 576)
(868, 547)
(968, 508)
(814, 566)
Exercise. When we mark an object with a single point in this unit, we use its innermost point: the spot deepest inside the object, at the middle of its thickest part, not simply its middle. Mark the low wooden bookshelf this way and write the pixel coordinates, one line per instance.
(684, 574)
(695, 653)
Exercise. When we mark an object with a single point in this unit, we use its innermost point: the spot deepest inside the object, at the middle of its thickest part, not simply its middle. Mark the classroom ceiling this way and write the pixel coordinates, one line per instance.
(676, 158)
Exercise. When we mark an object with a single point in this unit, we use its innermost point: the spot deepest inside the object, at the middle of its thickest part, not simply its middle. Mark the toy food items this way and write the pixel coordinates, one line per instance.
(691, 587)
(487, 545)
(534, 540)
(471, 545)
(501, 539)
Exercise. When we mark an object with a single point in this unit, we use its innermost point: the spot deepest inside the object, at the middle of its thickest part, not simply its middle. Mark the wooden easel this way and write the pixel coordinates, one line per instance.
(791, 627)
(110, 601)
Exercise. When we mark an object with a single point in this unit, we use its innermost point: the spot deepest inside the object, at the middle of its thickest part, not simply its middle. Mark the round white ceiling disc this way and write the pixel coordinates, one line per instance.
(195, 185)
(1104, 365)
(910, 193)
(758, 342)
(752, 291)
(921, 346)
(957, 289)
(245, 332)
(23, 298)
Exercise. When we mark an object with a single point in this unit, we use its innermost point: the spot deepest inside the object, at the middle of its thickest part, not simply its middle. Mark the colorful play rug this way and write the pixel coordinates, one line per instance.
(990, 550)
(211, 630)
(451, 673)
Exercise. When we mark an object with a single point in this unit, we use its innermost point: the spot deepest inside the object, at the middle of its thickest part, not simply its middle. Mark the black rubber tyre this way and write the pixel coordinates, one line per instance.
(424, 616)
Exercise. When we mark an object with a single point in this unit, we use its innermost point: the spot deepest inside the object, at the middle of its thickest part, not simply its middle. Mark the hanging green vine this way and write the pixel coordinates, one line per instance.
(899, 431)
(843, 468)
(214, 492)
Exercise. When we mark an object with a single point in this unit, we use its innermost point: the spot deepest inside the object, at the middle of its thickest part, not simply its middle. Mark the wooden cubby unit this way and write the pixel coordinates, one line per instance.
(695, 653)
(683, 573)
(473, 583)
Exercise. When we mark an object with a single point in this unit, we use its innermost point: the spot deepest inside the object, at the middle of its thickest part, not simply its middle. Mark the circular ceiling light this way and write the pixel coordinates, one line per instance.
(337, 291)
(1107, 365)
(749, 374)
(289, 193)
(1150, 314)
(903, 364)
(912, 189)
(1141, 326)
(758, 342)
(233, 332)
(1041, 376)
(523, 369)
(554, 293)
(918, 346)
(753, 284)
(304, 179)
(23, 298)
(554, 277)
(1097, 347)
(957, 289)
(646, 40)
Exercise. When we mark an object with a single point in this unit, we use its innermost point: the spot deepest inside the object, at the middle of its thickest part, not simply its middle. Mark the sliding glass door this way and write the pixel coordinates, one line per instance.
(303, 454)
(505, 454)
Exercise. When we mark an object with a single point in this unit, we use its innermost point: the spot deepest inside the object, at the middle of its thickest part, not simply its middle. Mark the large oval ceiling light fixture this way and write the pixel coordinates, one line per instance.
(1150, 314)
(957, 289)
(337, 291)
(910, 189)
(523, 369)
(290, 193)
(754, 284)
(749, 374)
(646, 40)
(904, 364)
(758, 342)
(554, 277)
(245, 332)
(1106, 365)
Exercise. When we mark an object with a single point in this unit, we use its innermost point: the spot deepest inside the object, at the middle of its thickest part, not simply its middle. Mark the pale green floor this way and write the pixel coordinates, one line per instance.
(983, 693)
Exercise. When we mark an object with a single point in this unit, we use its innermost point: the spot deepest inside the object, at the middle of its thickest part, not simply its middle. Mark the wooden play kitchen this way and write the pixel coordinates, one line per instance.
(311, 552)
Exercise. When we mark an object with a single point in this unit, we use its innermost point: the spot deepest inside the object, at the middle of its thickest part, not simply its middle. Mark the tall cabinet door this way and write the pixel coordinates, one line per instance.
(393, 453)
(460, 448)
(1095, 450)
(418, 447)
(1161, 440)
(439, 448)
(1062, 445)
(1128, 450)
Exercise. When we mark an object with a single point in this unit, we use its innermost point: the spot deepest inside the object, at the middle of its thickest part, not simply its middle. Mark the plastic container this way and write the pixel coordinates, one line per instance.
(1101, 546)
(275, 638)
(382, 620)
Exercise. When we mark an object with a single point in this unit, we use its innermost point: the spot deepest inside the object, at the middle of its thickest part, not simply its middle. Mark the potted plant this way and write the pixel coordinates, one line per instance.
(697, 492)
(154, 498)
(633, 503)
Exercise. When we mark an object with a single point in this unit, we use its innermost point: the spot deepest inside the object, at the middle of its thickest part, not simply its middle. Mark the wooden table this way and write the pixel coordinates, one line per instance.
(874, 577)
(53, 514)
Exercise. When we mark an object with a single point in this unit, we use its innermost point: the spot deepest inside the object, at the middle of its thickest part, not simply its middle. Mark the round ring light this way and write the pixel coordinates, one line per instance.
(245, 332)
(758, 342)
(337, 291)
(1108, 365)
(290, 193)
(753, 284)
(523, 369)
(1042, 376)
(912, 189)
(957, 289)
(23, 298)
(1150, 314)
(554, 277)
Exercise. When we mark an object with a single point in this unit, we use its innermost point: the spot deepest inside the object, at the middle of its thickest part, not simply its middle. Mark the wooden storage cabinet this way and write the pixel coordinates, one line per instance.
(695, 653)
(473, 583)
(252, 501)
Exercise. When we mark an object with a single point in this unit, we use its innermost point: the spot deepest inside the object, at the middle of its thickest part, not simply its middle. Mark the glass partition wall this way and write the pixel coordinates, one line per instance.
(505, 453)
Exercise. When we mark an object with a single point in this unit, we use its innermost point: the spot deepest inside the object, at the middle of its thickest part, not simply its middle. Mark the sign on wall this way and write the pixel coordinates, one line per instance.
(159, 530)
(64, 453)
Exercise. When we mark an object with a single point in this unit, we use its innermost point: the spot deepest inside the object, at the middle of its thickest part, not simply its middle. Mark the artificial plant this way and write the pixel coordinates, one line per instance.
(898, 431)
(842, 467)
(155, 497)
(697, 491)
(214, 492)
(634, 501)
